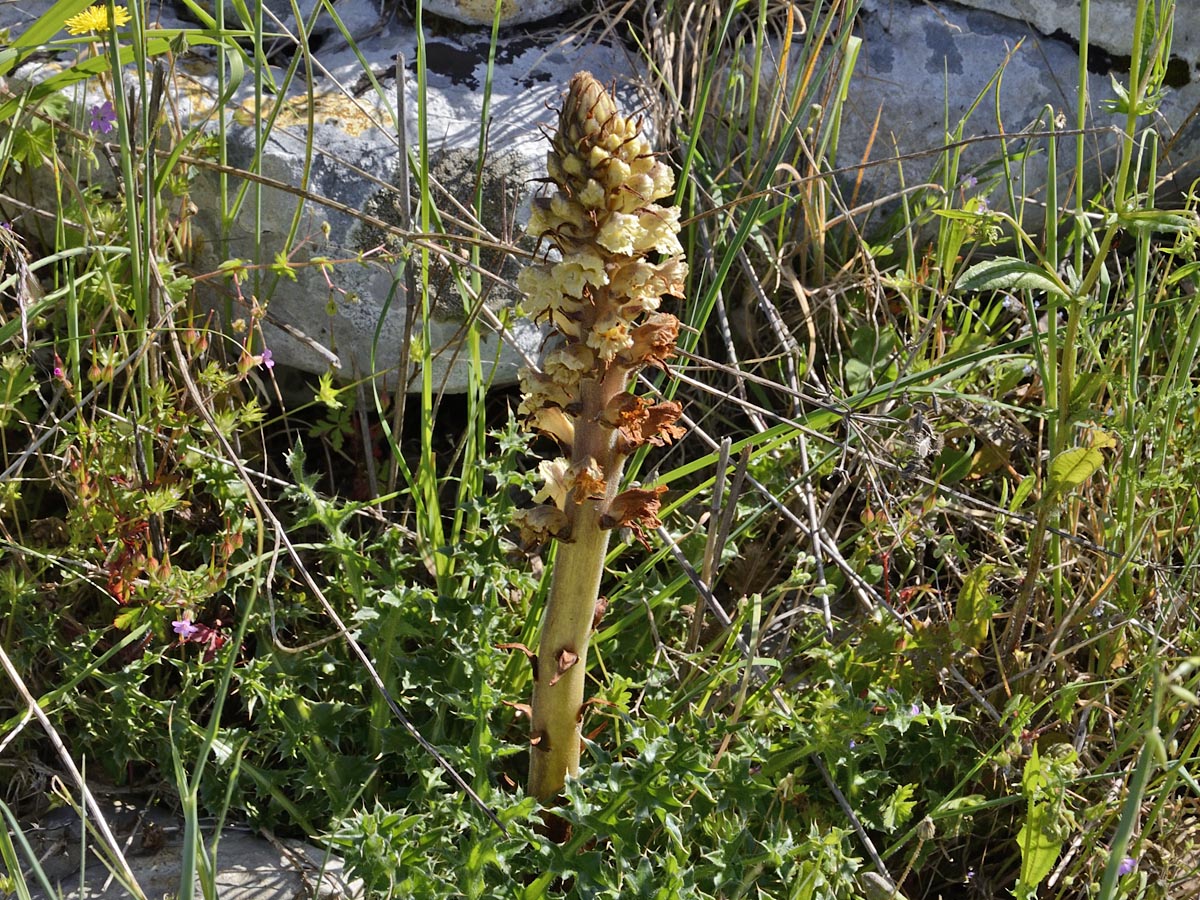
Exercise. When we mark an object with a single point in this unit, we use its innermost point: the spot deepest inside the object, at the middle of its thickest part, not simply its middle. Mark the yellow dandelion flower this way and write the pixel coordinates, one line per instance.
(95, 18)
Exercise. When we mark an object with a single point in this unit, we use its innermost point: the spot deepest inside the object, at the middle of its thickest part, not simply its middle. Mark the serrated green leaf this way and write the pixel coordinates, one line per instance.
(897, 811)
(1073, 467)
(1009, 274)
(282, 266)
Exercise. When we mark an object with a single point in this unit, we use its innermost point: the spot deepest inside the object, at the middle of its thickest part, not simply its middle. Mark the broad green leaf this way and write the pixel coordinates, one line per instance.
(1184, 694)
(897, 811)
(1160, 220)
(1021, 494)
(130, 617)
(975, 607)
(1073, 467)
(1009, 274)
(1039, 847)
(1038, 839)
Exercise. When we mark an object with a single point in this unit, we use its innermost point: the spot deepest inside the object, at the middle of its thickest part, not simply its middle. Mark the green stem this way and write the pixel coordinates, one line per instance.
(566, 629)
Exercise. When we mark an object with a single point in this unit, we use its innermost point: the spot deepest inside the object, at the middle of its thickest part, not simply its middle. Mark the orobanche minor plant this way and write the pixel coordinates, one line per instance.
(601, 295)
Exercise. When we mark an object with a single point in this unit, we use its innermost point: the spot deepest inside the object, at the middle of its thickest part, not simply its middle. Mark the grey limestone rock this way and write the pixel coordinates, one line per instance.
(1110, 23)
(328, 196)
(926, 66)
(354, 314)
(923, 66)
(512, 12)
(248, 866)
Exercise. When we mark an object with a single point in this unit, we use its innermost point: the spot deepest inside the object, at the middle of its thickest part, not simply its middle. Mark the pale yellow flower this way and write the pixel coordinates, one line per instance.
(579, 269)
(540, 390)
(537, 284)
(593, 195)
(95, 18)
(609, 337)
(659, 231)
(544, 298)
(619, 233)
(567, 363)
(558, 480)
(553, 421)
(616, 173)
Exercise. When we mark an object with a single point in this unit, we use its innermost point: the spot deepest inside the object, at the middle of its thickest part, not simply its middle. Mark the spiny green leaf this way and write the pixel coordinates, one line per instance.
(327, 393)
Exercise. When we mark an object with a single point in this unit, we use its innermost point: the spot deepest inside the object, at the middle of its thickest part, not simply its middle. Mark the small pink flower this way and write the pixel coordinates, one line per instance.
(104, 117)
(268, 358)
(184, 628)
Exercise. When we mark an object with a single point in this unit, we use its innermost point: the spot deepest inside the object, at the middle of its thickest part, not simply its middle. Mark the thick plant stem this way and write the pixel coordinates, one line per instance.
(562, 655)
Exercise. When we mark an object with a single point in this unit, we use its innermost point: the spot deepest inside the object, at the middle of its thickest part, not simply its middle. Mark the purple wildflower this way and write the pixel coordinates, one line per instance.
(915, 709)
(104, 117)
(268, 358)
(1128, 864)
(184, 628)
(969, 182)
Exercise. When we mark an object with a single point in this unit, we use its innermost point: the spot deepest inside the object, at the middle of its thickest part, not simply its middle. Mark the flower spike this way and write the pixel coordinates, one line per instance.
(613, 254)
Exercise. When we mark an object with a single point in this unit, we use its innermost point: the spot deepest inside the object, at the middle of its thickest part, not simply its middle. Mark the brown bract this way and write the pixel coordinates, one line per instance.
(641, 422)
(540, 523)
(636, 508)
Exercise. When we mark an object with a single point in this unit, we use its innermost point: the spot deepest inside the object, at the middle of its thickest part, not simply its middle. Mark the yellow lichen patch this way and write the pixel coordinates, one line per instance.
(331, 108)
(480, 12)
